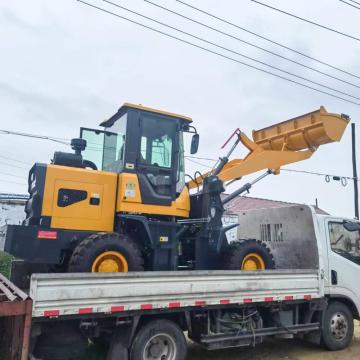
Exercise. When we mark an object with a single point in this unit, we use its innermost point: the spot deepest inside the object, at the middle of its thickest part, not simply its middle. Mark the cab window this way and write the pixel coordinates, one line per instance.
(157, 143)
(345, 243)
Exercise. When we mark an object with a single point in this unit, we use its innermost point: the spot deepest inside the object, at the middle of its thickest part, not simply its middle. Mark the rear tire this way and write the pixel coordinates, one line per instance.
(338, 326)
(159, 339)
(249, 254)
(106, 252)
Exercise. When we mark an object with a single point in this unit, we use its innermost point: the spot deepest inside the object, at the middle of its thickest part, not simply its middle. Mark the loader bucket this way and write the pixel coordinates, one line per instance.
(305, 132)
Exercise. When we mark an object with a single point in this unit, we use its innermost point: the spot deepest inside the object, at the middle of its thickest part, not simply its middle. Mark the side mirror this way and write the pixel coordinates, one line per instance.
(351, 226)
(194, 144)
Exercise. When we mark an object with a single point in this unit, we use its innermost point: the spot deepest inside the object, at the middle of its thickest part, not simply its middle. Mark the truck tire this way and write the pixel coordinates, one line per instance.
(106, 252)
(159, 339)
(249, 254)
(337, 327)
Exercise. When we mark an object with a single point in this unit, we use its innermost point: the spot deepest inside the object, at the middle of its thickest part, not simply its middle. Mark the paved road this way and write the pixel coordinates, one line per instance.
(280, 349)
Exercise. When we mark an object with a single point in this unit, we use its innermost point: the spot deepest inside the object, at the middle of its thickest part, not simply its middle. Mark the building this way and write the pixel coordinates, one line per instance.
(244, 203)
(11, 211)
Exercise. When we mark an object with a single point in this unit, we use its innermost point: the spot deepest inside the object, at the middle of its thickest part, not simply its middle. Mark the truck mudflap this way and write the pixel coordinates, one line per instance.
(40, 245)
(106, 293)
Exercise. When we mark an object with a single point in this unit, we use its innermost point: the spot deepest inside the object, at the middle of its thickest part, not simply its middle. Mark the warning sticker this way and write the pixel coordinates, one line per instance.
(130, 190)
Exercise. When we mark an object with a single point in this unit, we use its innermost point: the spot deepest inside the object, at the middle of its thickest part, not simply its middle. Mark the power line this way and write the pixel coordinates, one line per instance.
(215, 53)
(200, 158)
(307, 20)
(320, 174)
(198, 163)
(15, 166)
(16, 160)
(355, 2)
(354, 6)
(267, 39)
(42, 137)
(225, 48)
(249, 43)
(12, 182)
(7, 174)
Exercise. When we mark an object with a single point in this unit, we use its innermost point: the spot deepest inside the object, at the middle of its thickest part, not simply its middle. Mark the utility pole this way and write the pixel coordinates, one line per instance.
(356, 190)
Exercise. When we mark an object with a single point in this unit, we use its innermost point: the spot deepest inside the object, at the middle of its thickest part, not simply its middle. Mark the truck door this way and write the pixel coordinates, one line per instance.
(344, 260)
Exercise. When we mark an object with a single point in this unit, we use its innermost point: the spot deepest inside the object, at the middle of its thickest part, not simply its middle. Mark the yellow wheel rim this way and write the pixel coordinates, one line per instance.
(253, 261)
(110, 261)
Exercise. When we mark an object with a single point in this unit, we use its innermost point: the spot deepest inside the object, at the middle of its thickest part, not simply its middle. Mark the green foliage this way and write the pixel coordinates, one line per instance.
(5, 263)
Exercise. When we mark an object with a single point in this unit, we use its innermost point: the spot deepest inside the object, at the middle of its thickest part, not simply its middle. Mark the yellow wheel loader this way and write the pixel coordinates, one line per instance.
(120, 202)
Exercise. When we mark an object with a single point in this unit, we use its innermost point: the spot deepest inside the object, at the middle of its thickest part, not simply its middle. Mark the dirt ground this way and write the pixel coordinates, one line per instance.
(280, 349)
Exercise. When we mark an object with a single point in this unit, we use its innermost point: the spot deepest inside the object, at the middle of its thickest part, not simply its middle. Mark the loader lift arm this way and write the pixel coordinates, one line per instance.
(281, 144)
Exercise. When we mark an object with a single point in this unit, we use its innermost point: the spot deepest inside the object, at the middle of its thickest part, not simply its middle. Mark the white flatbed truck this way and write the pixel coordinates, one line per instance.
(314, 293)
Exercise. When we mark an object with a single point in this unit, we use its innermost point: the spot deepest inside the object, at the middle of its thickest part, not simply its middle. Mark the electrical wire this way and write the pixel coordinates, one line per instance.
(355, 2)
(354, 6)
(249, 43)
(7, 174)
(200, 158)
(267, 39)
(58, 140)
(320, 174)
(227, 49)
(198, 163)
(16, 160)
(15, 166)
(215, 53)
(12, 182)
(307, 20)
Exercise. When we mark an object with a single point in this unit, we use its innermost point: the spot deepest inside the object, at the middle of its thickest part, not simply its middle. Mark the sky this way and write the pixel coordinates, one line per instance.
(64, 65)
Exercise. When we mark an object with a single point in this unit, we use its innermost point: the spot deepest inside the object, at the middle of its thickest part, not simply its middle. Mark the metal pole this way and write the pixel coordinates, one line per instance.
(356, 190)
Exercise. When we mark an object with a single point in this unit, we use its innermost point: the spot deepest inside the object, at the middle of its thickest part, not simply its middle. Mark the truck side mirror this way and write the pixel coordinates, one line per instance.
(194, 144)
(351, 226)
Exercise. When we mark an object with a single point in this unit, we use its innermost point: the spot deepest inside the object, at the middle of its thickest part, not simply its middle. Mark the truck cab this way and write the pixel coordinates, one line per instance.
(341, 250)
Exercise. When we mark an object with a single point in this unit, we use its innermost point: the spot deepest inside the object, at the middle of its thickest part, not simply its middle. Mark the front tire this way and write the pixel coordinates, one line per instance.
(106, 252)
(159, 339)
(338, 326)
(249, 254)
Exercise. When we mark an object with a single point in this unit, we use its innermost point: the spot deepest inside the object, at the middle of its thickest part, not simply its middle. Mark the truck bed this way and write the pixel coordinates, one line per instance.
(100, 293)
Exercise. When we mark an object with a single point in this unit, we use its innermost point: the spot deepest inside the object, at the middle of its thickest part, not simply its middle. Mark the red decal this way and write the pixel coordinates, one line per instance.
(270, 298)
(289, 297)
(247, 300)
(51, 312)
(174, 305)
(146, 306)
(117, 308)
(307, 297)
(224, 301)
(85, 310)
(200, 302)
(49, 235)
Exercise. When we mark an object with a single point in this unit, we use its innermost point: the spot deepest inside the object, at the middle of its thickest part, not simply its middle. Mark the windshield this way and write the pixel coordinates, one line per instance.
(106, 148)
(114, 146)
(345, 243)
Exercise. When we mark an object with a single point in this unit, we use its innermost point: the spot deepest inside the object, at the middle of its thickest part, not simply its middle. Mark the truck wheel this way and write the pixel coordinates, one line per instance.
(106, 252)
(159, 339)
(338, 326)
(248, 254)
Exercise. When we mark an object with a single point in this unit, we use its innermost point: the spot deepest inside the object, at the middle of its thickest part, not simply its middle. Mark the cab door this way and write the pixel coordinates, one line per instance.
(344, 260)
(157, 159)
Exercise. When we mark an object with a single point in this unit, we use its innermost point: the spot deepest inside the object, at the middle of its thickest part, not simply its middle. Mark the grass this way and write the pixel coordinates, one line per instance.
(5, 263)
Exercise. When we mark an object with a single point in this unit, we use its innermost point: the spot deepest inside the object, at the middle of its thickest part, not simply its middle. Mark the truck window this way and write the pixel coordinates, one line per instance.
(345, 243)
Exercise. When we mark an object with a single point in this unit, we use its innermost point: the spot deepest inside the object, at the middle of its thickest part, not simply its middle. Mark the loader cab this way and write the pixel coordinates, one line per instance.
(146, 142)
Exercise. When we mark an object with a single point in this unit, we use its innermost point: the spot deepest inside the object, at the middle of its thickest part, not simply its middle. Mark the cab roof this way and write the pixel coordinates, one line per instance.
(124, 108)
